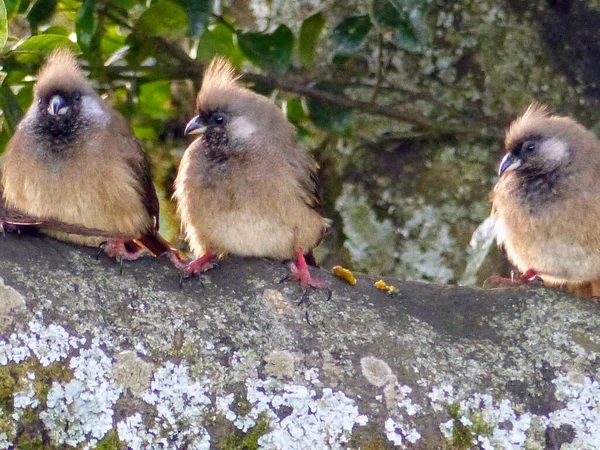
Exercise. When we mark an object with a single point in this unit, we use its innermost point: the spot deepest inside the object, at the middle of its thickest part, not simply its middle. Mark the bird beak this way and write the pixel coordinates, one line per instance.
(195, 126)
(509, 162)
(57, 106)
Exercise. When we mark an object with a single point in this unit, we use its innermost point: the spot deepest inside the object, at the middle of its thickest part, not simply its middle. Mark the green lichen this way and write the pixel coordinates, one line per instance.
(376, 444)
(233, 439)
(110, 442)
(13, 379)
(462, 436)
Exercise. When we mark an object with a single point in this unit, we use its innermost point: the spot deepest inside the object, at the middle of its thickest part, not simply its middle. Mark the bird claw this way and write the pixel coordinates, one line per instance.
(116, 249)
(529, 278)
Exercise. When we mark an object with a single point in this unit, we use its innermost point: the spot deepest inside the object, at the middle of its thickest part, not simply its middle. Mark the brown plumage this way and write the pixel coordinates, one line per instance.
(75, 160)
(245, 187)
(546, 203)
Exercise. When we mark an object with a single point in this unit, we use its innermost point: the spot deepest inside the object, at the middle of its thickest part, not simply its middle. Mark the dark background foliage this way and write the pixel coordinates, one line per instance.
(402, 102)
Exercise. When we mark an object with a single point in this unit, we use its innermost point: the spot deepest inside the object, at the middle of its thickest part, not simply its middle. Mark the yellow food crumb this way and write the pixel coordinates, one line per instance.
(385, 287)
(344, 274)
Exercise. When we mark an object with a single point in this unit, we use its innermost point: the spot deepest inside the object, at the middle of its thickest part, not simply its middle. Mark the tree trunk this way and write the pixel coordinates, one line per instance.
(92, 358)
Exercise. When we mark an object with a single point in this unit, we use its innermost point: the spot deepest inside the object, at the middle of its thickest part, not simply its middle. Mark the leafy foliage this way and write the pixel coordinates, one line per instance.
(170, 39)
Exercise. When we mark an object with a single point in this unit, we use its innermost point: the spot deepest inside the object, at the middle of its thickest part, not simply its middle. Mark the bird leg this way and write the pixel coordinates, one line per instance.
(301, 273)
(195, 267)
(530, 277)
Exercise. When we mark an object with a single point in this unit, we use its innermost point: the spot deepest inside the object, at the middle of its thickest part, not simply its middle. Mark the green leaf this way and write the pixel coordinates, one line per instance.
(12, 8)
(36, 47)
(310, 31)
(349, 35)
(3, 25)
(406, 20)
(405, 37)
(269, 51)
(11, 108)
(198, 12)
(57, 30)
(155, 100)
(163, 18)
(329, 116)
(40, 12)
(219, 40)
(25, 95)
(86, 24)
(294, 111)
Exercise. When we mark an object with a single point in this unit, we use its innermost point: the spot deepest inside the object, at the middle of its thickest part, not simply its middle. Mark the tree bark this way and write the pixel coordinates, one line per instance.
(93, 358)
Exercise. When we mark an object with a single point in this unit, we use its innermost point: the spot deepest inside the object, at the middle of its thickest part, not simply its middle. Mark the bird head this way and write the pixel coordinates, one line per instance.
(538, 143)
(231, 117)
(66, 102)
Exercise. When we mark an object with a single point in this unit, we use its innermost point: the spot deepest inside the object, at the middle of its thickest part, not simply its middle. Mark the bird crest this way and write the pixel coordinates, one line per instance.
(535, 118)
(219, 85)
(219, 74)
(61, 72)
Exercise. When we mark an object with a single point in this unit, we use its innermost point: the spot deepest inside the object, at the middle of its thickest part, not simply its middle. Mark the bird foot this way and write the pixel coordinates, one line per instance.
(529, 278)
(195, 267)
(300, 273)
(116, 249)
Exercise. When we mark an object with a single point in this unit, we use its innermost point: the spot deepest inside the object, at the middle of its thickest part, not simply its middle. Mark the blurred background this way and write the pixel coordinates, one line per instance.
(403, 103)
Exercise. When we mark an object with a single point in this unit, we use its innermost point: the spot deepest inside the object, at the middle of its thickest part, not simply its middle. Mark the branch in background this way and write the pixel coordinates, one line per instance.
(188, 68)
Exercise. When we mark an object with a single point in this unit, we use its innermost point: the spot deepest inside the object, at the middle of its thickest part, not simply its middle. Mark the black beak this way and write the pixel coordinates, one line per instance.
(195, 126)
(509, 162)
(57, 105)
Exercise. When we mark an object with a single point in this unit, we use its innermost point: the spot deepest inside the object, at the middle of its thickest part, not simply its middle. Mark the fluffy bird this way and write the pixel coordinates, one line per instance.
(545, 204)
(74, 160)
(245, 187)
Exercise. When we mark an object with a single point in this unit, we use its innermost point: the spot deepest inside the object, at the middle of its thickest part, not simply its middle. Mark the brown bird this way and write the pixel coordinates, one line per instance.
(74, 160)
(245, 187)
(546, 203)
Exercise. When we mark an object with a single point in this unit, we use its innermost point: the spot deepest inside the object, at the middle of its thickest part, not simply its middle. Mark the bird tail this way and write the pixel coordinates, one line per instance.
(158, 245)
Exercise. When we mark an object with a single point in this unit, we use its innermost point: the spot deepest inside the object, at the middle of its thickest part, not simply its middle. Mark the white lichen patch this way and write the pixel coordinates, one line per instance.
(376, 371)
(48, 343)
(5, 442)
(582, 412)
(25, 398)
(314, 421)
(400, 427)
(182, 402)
(492, 424)
(80, 411)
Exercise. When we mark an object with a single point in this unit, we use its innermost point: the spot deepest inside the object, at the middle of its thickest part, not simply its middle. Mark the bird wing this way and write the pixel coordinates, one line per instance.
(139, 163)
(308, 179)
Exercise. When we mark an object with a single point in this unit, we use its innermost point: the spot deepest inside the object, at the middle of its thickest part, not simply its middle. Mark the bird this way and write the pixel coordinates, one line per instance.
(73, 160)
(245, 187)
(545, 204)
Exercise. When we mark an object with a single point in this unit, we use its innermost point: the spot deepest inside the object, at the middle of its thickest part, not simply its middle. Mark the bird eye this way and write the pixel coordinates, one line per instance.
(529, 146)
(219, 120)
(77, 96)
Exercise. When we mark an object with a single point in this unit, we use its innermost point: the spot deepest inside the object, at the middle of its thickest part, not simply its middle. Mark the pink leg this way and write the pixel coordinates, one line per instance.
(117, 249)
(300, 273)
(195, 267)
(528, 278)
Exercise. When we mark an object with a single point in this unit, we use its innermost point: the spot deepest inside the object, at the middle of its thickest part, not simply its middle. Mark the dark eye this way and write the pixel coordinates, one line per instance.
(76, 96)
(219, 120)
(529, 147)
